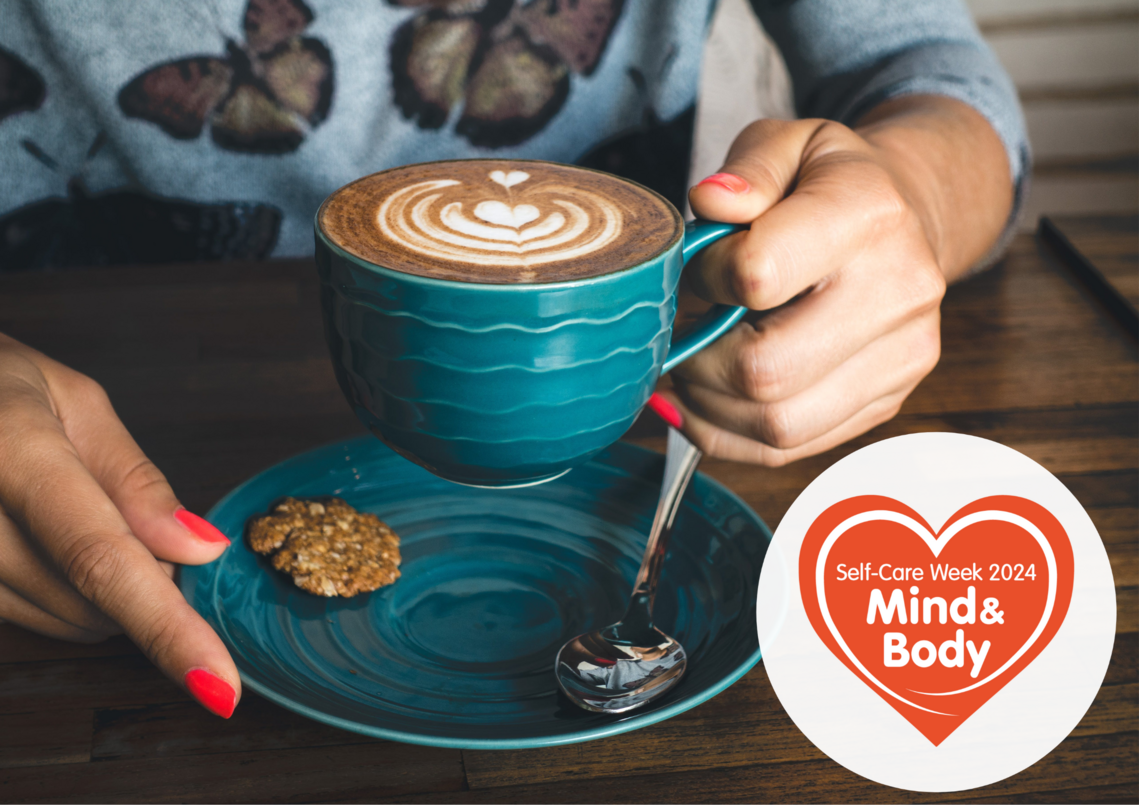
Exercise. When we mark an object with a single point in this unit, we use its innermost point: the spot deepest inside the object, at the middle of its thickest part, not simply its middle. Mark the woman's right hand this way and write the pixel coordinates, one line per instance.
(90, 530)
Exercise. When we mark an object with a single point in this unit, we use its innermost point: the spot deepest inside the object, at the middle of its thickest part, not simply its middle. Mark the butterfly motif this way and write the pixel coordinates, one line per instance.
(262, 97)
(21, 88)
(128, 226)
(507, 63)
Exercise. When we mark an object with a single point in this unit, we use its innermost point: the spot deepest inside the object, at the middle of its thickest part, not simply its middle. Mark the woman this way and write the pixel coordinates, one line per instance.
(183, 133)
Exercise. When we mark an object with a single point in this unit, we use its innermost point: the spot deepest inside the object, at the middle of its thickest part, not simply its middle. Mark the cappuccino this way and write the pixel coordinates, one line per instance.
(499, 221)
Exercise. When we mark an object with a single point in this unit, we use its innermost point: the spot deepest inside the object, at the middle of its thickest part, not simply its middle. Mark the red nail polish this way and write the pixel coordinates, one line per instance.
(199, 527)
(211, 691)
(728, 181)
(666, 410)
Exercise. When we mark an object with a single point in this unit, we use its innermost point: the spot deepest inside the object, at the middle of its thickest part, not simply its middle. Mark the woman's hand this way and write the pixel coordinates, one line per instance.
(89, 529)
(853, 236)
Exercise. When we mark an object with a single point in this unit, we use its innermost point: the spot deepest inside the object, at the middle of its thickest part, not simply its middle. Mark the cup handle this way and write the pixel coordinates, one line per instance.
(719, 318)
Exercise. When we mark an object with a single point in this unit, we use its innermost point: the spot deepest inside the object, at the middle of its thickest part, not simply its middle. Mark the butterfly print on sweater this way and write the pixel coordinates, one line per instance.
(261, 97)
(507, 64)
(21, 88)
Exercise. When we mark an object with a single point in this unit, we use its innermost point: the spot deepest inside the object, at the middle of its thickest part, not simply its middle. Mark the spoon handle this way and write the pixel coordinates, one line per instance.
(680, 460)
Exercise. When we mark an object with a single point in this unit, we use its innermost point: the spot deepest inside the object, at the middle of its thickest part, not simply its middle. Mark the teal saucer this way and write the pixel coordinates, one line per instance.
(459, 652)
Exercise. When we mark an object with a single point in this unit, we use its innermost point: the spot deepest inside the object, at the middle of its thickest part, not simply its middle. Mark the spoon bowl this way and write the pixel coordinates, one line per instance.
(610, 671)
(630, 663)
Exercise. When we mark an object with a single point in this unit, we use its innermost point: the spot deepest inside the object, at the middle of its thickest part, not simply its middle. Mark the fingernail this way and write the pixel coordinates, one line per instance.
(666, 410)
(728, 181)
(211, 691)
(199, 527)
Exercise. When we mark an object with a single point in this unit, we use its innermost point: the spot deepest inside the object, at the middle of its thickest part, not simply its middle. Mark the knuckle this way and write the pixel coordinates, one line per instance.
(820, 138)
(828, 135)
(717, 443)
(763, 373)
(775, 458)
(160, 640)
(84, 390)
(711, 442)
(141, 477)
(94, 567)
(886, 411)
(925, 347)
(930, 285)
(755, 282)
(878, 206)
(777, 426)
(886, 205)
(744, 284)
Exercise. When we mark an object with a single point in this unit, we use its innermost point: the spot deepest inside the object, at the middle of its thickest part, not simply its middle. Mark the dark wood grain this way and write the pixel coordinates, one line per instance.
(1127, 602)
(95, 682)
(20, 645)
(1124, 666)
(1074, 764)
(1110, 242)
(360, 772)
(221, 370)
(184, 728)
(1102, 252)
(45, 739)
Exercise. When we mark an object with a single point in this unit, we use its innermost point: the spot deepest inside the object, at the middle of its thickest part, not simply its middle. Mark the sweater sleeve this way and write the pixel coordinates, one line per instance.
(847, 56)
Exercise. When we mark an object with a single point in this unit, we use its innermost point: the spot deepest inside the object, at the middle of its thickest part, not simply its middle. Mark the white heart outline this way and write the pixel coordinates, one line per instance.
(935, 545)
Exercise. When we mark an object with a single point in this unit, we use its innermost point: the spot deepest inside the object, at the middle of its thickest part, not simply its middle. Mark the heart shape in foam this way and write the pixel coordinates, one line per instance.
(936, 623)
(495, 212)
(508, 180)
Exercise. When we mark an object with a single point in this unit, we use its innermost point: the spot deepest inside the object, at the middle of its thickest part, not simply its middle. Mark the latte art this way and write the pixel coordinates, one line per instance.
(491, 221)
(553, 223)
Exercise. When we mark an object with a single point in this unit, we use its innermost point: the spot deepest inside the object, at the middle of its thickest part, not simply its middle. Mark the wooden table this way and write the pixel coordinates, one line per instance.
(1101, 251)
(220, 371)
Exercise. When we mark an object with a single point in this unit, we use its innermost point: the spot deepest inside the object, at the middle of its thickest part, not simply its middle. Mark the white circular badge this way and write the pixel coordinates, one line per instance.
(936, 612)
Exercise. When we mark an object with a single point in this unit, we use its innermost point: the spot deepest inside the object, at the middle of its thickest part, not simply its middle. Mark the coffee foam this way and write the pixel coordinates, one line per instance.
(497, 221)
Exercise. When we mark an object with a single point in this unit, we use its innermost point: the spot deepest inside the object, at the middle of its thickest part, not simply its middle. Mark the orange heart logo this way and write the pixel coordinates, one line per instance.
(936, 623)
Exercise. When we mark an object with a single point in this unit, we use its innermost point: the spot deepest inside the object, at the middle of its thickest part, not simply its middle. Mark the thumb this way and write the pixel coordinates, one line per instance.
(134, 484)
(760, 170)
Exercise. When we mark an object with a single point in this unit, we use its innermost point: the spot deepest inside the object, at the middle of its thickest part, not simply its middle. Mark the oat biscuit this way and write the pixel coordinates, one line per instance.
(327, 546)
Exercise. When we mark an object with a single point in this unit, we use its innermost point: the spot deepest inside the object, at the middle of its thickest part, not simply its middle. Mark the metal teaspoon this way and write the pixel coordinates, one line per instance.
(631, 663)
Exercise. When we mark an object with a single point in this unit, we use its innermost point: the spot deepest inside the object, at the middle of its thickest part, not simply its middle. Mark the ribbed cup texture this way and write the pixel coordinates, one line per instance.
(497, 384)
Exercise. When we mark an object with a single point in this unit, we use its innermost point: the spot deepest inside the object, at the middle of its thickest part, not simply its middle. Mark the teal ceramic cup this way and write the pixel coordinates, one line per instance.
(507, 384)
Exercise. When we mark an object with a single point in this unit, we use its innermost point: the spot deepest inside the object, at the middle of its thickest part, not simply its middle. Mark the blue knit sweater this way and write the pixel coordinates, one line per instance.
(150, 130)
